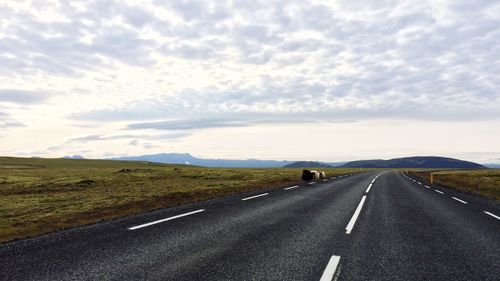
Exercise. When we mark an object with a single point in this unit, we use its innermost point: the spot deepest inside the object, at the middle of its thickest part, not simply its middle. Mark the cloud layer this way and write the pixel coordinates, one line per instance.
(186, 66)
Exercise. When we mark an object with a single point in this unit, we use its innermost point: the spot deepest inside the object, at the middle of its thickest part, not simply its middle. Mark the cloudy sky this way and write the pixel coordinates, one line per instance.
(323, 80)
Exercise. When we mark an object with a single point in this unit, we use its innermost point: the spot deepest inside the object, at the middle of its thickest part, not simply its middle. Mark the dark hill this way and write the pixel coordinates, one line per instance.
(415, 162)
(307, 164)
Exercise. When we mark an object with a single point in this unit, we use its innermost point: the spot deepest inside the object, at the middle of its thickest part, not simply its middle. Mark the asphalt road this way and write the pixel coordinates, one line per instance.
(356, 227)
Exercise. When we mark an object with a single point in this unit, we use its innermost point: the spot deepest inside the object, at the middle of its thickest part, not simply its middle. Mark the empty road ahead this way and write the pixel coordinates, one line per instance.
(369, 226)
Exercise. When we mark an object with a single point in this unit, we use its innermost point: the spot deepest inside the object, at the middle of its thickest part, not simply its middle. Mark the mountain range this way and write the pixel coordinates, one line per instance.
(415, 162)
(405, 162)
(186, 158)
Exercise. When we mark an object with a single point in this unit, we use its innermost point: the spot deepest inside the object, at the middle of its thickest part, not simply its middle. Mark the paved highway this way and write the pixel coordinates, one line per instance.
(369, 226)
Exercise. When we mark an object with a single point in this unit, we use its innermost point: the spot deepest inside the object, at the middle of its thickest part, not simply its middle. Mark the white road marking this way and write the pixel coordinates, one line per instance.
(495, 216)
(351, 223)
(164, 220)
(330, 269)
(439, 191)
(312, 182)
(252, 197)
(427, 186)
(459, 200)
(325, 180)
(419, 183)
(368, 189)
(291, 187)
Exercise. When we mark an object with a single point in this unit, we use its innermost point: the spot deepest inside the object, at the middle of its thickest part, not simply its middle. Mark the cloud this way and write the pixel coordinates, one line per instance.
(244, 121)
(22, 96)
(190, 65)
(134, 137)
(187, 124)
(11, 124)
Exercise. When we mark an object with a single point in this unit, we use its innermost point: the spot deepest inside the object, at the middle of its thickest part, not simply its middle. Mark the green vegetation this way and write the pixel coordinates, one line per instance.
(483, 182)
(43, 195)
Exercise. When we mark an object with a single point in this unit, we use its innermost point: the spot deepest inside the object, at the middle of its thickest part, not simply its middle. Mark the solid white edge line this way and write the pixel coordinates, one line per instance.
(368, 189)
(252, 197)
(291, 187)
(439, 191)
(493, 215)
(164, 220)
(351, 223)
(459, 200)
(330, 269)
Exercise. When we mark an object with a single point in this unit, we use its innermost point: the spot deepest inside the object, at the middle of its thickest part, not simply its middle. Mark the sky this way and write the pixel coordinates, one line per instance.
(296, 80)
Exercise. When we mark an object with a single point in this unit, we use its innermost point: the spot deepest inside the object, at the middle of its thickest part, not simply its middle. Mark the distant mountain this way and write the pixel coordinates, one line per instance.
(492, 165)
(73, 157)
(188, 159)
(415, 162)
(335, 164)
(307, 164)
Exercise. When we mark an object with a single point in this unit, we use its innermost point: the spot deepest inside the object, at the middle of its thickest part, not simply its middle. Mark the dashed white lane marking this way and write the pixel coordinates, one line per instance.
(459, 200)
(164, 220)
(368, 189)
(439, 191)
(330, 269)
(252, 197)
(291, 187)
(495, 216)
(351, 223)
(312, 183)
(419, 183)
(325, 180)
(427, 186)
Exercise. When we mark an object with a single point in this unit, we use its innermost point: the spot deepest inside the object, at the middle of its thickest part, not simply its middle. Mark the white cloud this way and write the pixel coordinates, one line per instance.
(110, 66)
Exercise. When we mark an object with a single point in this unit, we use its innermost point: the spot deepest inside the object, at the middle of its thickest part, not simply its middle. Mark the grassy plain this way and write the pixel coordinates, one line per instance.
(38, 195)
(483, 182)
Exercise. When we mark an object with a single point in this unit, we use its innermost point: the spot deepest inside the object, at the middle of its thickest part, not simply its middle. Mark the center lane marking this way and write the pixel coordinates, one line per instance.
(459, 200)
(439, 191)
(351, 223)
(291, 187)
(368, 189)
(493, 215)
(164, 220)
(252, 197)
(330, 269)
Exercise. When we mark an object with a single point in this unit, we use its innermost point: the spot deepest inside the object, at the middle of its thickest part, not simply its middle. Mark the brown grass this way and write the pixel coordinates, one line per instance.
(484, 182)
(39, 196)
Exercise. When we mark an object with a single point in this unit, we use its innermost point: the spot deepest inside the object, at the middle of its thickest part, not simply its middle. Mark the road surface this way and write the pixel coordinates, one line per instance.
(368, 226)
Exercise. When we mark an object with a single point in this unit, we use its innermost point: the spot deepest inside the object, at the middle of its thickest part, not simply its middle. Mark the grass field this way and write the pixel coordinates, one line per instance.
(484, 182)
(43, 195)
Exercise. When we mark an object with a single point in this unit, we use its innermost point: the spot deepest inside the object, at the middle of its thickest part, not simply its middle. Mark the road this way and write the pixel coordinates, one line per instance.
(368, 226)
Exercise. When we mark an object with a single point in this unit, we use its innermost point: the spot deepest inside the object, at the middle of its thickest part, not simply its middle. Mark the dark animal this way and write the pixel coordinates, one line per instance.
(309, 175)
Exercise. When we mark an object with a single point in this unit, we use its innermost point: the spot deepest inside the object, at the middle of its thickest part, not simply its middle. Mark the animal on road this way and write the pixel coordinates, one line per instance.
(322, 175)
(308, 175)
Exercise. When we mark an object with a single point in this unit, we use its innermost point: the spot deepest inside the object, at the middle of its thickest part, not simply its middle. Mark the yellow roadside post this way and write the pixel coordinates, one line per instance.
(432, 178)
